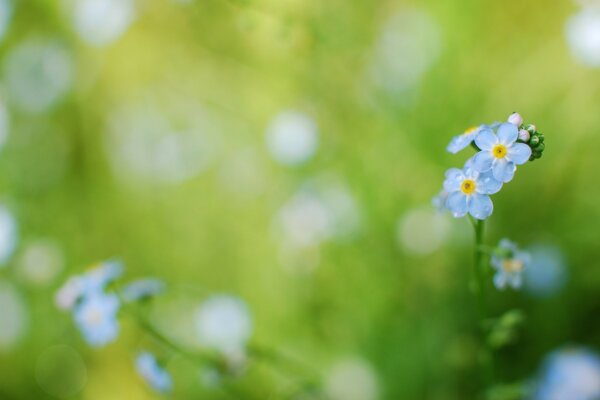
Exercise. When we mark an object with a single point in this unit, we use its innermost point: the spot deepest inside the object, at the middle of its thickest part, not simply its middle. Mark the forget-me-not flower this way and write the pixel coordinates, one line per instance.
(469, 190)
(509, 262)
(500, 152)
(463, 140)
(96, 316)
(156, 376)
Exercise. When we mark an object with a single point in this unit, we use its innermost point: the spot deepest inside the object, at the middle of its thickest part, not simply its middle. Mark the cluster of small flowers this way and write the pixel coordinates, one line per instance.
(501, 147)
(95, 310)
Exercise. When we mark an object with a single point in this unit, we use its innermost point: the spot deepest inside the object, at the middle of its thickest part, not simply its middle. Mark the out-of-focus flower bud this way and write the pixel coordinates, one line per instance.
(524, 135)
(515, 119)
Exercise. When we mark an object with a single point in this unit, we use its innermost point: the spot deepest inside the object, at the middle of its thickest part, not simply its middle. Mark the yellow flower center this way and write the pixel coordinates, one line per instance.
(467, 186)
(499, 151)
(512, 265)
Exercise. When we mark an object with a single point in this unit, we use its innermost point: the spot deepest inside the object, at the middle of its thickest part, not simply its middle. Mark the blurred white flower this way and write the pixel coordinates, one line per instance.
(6, 11)
(305, 220)
(38, 74)
(546, 274)
(101, 22)
(319, 211)
(143, 142)
(8, 235)
(352, 379)
(292, 137)
(569, 374)
(40, 262)
(422, 231)
(223, 322)
(583, 36)
(13, 316)
(407, 46)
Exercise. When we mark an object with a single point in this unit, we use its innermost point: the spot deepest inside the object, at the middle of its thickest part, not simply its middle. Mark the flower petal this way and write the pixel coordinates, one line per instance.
(507, 133)
(486, 139)
(454, 178)
(480, 206)
(519, 153)
(457, 204)
(487, 184)
(460, 142)
(504, 170)
(500, 280)
(515, 280)
(482, 161)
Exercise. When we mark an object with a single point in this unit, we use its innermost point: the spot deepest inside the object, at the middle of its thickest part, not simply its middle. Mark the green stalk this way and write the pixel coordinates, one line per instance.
(480, 289)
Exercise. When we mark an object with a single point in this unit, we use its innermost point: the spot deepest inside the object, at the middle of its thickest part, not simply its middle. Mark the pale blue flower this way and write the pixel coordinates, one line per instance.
(509, 262)
(569, 374)
(142, 289)
(500, 152)
(154, 375)
(468, 192)
(463, 140)
(439, 201)
(96, 316)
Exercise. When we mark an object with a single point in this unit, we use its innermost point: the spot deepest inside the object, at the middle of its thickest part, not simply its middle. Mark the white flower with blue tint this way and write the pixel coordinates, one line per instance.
(464, 140)
(142, 289)
(223, 323)
(156, 376)
(96, 316)
(468, 192)
(101, 22)
(569, 374)
(509, 262)
(292, 137)
(500, 152)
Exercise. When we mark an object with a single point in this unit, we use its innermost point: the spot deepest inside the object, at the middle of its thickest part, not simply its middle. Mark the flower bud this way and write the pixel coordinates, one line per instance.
(515, 119)
(524, 135)
(534, 141)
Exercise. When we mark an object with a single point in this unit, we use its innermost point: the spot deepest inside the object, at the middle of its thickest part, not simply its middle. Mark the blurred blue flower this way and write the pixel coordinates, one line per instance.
(101, 275)
(509, 262)
(500, 152)
(96, 316)
(463, 140)
(547, 272)
(156, 376)
(569, 374)
(142, 289)
(468, 192)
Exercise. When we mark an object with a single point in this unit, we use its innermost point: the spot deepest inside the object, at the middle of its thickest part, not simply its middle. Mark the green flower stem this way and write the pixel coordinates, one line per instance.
(480, 288)
(279, 361)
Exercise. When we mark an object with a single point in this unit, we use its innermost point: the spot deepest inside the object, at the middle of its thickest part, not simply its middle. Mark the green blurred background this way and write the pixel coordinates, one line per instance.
(151, 135)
